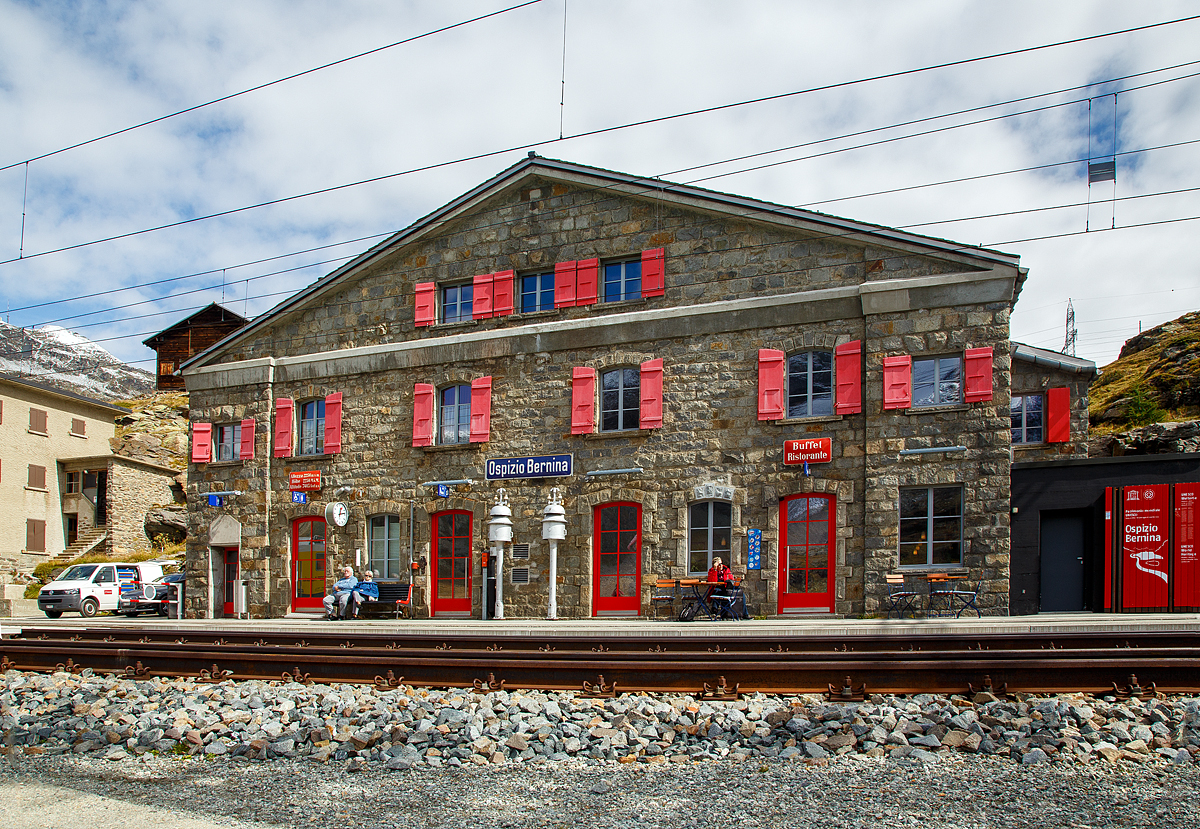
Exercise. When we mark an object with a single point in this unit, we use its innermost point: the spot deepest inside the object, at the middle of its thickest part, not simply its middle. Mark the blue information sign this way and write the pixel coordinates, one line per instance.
(443, 491)
(299, 497)
(754, 550)
(216, 501)
(540, 466)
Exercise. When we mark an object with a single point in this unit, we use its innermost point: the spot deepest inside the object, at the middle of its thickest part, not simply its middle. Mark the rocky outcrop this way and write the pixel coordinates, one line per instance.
(169, 521)
(1156, 439)
(156, 431)
(1156, 377)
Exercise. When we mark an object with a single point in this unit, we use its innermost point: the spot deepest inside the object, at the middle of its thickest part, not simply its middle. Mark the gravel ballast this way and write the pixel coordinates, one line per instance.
(346, 755)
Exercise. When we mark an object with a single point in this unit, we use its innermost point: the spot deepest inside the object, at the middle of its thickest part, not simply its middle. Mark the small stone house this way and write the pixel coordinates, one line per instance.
(1048, 404)
(819, 401)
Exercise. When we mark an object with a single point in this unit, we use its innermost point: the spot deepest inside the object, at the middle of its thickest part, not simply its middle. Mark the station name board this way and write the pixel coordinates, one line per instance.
(810, 450)
(540, 466)
(305, 481)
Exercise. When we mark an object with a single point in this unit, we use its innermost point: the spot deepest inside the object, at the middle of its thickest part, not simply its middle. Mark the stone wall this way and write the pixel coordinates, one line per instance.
(1035, 379)
(133, 488)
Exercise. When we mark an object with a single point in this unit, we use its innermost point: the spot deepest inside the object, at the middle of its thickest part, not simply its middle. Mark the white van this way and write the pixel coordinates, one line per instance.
(90, 588)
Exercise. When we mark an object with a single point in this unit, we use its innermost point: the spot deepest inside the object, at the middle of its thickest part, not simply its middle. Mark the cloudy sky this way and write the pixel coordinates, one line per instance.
(490, 90)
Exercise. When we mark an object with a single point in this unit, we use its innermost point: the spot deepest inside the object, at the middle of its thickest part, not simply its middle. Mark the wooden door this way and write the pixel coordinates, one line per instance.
(617, 564)
(806, 532)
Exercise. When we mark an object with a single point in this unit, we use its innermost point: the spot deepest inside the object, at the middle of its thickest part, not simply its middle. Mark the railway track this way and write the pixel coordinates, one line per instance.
(845, 667)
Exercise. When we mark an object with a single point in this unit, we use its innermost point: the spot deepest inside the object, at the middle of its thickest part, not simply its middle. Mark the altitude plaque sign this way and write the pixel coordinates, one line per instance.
(1147, 511)
(538, 466)
(305, 481)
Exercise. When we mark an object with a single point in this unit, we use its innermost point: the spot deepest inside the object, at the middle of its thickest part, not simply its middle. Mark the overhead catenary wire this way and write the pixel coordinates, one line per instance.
(604, 130)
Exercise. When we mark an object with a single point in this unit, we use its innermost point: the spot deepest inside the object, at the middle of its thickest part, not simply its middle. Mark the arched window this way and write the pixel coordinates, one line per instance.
(383, 553)
(810, 384)
(454, 415)
(709, 533)
(620, 399)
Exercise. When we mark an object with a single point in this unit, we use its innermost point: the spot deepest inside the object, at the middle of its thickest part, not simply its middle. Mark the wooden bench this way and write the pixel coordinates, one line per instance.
(394, 598)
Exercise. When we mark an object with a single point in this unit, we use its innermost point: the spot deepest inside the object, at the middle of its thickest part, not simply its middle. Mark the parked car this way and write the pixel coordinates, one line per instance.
(153, 597)
(90, 588)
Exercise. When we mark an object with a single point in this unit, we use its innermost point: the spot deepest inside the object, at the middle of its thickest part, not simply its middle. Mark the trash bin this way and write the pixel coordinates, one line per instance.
(241, 598)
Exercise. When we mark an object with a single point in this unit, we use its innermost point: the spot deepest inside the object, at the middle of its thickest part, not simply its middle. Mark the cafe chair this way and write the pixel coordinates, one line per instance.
(901, 598)
(949, 595)
(732, 603)
(666, 593)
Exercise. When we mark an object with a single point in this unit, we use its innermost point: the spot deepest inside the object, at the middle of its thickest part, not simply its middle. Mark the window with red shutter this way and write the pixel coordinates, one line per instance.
(848, 359)
(481, 410)
(502, 293)
(586, 277)
(564, 284)
(977, 365)
(201, 442)
(426, 303)
(422, 414)
(651, 415)
(333, 423)
(246, 450)
(772, 378)
(583, 400)
(653, 272)
(1058, 415)
(897, 382)
(283, 426)
(481, 307)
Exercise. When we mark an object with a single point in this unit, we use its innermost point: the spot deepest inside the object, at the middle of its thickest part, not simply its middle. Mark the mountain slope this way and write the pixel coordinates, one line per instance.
(64, 360)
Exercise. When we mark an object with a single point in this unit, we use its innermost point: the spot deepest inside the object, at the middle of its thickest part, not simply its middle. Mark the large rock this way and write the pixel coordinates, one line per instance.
(1155, 439)
(170, 520)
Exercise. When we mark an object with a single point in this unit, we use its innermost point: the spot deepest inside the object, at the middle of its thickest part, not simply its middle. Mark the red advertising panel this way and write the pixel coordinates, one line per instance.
(305, 481)
(810, 450)
(1144, 546)
(1186, 556)
(1109, 506)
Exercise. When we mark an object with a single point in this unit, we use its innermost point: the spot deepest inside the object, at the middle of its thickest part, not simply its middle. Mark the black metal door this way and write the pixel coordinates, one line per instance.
(1062, 561)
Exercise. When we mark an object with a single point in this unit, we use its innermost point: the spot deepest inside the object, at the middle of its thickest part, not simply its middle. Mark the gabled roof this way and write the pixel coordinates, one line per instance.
(225, 313)
(1053, 359)
(684, 195)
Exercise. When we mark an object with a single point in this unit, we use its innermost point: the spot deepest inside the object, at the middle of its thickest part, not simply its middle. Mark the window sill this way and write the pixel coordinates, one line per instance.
(451, 447)
(219, 464)
(546, 312)
(39, 434)
(959, 407)
(36, 488)
(77, 435)
(803, 421)
(456, 323)
(638, 301)
(922, 569)
(292, 459)
(626, 433)
(1017, 447)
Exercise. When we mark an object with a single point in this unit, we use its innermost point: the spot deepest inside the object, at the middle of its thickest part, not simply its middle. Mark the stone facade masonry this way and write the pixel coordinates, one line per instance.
(740, 276)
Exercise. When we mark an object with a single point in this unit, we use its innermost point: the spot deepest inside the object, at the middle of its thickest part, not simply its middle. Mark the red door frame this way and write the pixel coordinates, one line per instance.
(308, 588)
(806, 601)
(232, 573)
(603, 600)
(455, 569)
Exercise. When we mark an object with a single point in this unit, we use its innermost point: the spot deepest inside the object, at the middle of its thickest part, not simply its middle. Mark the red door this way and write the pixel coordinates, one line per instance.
(308, 563)
(451, 563)
(617, 565)
(231, 575)
(806, 553)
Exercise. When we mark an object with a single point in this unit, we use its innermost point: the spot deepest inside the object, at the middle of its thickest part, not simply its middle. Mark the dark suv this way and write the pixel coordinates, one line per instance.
(152, 597)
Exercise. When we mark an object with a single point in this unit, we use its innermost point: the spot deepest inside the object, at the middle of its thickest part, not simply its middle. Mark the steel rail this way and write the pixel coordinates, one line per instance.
(842, 666)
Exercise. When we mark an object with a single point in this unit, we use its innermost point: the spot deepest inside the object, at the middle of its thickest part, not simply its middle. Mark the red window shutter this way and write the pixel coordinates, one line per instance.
(848, 357)
(897, 382)
(651, 414)
(333, 423)
(426, 303)
(422, 414)
(1058, 415)
(586, 280)
(772, 376)
(564, 284)
(653, 272)
(201, 442)
(481, 300)
(246, 450)
(502, 293)
(481, 410)
(283, 426)
(977, 363)
(583, 400)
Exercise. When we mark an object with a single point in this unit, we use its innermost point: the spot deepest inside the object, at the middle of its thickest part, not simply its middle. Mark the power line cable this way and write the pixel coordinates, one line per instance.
(603, 130)
(267, 84)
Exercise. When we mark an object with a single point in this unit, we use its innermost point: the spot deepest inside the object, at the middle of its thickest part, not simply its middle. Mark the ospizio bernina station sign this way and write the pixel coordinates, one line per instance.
(539, 466)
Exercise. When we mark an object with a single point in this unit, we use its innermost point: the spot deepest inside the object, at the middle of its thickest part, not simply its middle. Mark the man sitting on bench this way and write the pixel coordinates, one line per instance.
(341, 595)
(365, 591)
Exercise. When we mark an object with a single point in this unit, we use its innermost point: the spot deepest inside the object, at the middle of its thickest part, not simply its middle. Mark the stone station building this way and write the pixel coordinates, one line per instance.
(668, 357)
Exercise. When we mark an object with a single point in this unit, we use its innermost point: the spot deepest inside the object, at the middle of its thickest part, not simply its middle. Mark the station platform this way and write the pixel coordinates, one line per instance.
(1042, 624)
